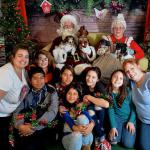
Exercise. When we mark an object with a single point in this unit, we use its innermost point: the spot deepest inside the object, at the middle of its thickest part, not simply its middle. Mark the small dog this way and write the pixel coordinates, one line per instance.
(103, 47)
(123, 52)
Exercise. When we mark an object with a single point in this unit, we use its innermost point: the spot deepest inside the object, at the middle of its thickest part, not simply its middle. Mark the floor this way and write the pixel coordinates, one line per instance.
(59, 147)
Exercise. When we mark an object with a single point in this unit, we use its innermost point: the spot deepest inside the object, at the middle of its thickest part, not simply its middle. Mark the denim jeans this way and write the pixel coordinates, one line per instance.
(98, 117)
(75, 140)
(124, 136)
(143, 133)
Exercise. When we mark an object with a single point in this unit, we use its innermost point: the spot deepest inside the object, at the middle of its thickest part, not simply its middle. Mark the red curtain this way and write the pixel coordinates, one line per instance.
(147, 24)
(21, 7)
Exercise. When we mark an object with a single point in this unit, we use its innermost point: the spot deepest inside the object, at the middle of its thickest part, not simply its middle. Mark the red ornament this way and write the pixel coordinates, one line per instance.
(19, 116)
(46, 6)
(33, 116)
(19, 29)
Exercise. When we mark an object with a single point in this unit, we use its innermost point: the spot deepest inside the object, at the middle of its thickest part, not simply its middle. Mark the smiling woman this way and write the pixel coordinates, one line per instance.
(141, 98)
(12, 80)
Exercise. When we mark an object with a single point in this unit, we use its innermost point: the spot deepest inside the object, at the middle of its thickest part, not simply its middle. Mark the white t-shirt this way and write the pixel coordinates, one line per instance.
(12, 85)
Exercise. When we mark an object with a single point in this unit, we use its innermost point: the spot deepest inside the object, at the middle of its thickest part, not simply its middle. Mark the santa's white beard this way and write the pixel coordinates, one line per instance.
(66, 32)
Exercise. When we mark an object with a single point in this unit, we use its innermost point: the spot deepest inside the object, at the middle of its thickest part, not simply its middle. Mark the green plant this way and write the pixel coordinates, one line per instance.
(12, 26)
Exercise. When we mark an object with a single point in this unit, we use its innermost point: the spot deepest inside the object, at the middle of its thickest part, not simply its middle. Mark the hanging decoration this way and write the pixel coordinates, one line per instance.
(100, 14)
(116, 7)
(46, 7)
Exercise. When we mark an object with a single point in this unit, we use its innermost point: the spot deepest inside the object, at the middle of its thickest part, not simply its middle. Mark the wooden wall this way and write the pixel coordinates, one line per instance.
(43, 29)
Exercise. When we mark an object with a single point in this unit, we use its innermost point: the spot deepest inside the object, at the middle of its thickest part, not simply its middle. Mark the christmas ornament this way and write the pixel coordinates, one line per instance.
(101, 14)
(116, 7)
(46, 7)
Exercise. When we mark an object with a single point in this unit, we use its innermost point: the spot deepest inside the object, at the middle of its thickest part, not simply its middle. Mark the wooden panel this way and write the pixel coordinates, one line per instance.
(43, 29)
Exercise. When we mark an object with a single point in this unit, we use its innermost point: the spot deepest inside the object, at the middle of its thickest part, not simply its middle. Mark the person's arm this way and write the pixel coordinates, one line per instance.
(132, 117)
(97, 101)
(139, 53)
(111, 115)
(68, 119)
(2, 94)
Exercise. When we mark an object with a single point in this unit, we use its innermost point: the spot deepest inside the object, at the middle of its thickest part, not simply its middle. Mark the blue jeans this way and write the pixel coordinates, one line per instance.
(124, 136)
(75, 140)
(143, 133)
(98, 117)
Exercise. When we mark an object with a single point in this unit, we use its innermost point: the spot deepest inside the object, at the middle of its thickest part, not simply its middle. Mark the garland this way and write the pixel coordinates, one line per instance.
(80, 109)
(32, 117)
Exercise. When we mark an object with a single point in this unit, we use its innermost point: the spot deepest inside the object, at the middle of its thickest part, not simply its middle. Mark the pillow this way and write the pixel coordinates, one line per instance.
(95, 37)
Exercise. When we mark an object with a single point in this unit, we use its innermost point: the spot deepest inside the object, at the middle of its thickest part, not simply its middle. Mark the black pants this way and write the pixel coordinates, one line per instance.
(37, 141)
(4, 133)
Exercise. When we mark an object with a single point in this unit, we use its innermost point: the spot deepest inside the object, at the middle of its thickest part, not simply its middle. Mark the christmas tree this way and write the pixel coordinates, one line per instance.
(12, 25)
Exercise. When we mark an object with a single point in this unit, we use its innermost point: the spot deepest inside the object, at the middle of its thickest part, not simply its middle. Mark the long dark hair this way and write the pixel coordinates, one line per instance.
(51, 63)
(123, 89)
(67, 67)
(84, 74)
(78, 88)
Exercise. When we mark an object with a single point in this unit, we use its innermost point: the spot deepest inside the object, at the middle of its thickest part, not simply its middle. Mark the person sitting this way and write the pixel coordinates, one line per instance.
(34, 116)
(45, 60)
(78, 124)
(118, 28)
(68, 26)
(13, 88)
(112, 59)
(140, 85)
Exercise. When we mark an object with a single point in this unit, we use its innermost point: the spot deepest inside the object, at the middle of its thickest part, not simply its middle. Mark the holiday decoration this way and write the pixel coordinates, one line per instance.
(80, 108)
(100, 14)
(13, 27)
(46, 7)
(22, 10)
(116, 7)
(2, 51)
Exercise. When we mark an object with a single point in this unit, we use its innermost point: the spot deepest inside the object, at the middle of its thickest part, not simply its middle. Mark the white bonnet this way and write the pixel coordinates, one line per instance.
(119, 19)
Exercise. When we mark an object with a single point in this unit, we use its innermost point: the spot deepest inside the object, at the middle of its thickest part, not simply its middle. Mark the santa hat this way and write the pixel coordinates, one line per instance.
(119, 19)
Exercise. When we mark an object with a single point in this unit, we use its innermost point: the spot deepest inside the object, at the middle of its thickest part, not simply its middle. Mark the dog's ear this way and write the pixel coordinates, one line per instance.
(82, 32)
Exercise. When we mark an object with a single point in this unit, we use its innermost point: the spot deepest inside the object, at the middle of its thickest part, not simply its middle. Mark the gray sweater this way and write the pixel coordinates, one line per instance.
(43, 102)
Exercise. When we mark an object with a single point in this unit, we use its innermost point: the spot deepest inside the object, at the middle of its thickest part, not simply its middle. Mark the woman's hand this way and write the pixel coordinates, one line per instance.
(113, 133)
(62, 109)
(88, 128)
(79, 128)
(87, 99)
(25, 129)
(130, 127)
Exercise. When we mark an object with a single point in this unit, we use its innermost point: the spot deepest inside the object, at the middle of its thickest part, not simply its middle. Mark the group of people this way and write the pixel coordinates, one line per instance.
(38, 98)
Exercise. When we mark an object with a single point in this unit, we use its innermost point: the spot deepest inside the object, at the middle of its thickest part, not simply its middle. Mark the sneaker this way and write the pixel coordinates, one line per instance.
(96, 147)
(104, 145)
